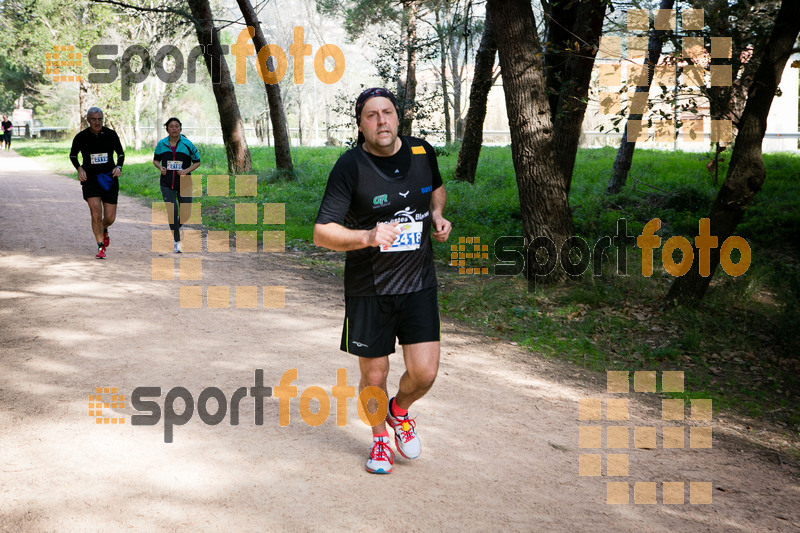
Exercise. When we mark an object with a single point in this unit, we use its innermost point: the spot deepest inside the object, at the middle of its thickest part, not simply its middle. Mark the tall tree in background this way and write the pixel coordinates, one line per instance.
(544, 131)
(476, 114)
(441, 32)
(622, 164)
(574, 30)
(542, 194)
(460, 36)
(407, 82)
(748, 23)
(202, 18)
(746, 173)
(224, 93)
(280, 130)
(28, 30)
(359, 15)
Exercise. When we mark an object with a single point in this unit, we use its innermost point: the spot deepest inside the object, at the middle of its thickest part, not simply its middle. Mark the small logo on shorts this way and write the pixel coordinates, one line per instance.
(359, 344)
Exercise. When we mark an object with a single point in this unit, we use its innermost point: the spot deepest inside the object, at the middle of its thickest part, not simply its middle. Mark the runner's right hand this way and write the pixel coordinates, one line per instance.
(383, 234)
(81, 174)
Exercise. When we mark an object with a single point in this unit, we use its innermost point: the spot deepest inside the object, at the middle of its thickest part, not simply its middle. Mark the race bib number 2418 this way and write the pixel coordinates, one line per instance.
(409, 238)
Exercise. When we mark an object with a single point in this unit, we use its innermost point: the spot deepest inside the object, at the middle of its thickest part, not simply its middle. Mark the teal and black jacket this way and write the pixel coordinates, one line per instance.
(174, 159)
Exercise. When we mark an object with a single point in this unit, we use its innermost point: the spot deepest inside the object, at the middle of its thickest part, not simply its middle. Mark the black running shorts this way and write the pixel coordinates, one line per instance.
(91, 189)
(371, 323)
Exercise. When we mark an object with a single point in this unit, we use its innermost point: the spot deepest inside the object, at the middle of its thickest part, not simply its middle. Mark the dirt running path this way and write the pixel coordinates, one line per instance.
(499, 429)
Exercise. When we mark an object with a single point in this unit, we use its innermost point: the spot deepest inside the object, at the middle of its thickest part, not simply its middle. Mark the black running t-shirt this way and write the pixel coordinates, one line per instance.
(97, 151)
(362, 191)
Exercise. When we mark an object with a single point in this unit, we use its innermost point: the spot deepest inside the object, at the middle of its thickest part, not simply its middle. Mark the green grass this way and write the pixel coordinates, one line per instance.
(739, 346)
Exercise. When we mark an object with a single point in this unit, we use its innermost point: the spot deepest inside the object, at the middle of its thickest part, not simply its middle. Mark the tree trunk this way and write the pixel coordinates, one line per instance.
(576, 75)
(299, 120)
(455, 75)
(137, 115)
(746, 172)
(443, 66)
(559, 21)
(280, 129)
(159, 90)
(476, 114)
(163, 113)
(224, 92)
(542, 190)
(622, 164)
(748, 25)
(83, 105)
(407, 88)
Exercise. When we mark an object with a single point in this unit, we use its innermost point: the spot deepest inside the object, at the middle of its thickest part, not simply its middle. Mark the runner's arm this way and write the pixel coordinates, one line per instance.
(338, 238)
(190, 169)
(73, 153)
(328, 230)
(73, 157)
(441, 226)
(194, 154)
(119, 150)
(157, 164)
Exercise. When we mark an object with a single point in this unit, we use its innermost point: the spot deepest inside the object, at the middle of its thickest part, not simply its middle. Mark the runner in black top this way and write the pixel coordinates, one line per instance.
(383, 200)
(8, 129)
(364, 189)
(99, 174)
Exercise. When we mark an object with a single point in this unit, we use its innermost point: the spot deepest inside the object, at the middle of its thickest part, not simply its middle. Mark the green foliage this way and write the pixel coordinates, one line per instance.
(28, 30)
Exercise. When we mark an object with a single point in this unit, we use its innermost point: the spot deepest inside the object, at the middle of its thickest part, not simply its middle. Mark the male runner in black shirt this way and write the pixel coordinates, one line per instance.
(7, 128)
(99, 174)
(380, 203)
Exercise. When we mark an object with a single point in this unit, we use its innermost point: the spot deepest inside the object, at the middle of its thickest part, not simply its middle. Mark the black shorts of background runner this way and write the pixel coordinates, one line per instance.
(173, 197)
(371, 323)
(7, 138)
(91, 189)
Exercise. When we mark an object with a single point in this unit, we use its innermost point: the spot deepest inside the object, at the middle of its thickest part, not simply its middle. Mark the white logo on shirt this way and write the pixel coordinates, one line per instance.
(405, 214)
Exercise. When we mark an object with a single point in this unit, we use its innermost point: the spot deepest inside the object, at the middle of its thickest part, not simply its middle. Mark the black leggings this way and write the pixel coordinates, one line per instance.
(7, 138)
(173, 197)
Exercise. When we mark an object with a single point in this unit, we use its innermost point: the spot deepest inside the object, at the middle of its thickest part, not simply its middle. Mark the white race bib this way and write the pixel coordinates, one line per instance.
(98, 159)
(174, 165)
(409, 239)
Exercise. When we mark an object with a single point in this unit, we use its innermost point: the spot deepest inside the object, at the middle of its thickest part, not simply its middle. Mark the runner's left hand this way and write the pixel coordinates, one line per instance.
(441, 228)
